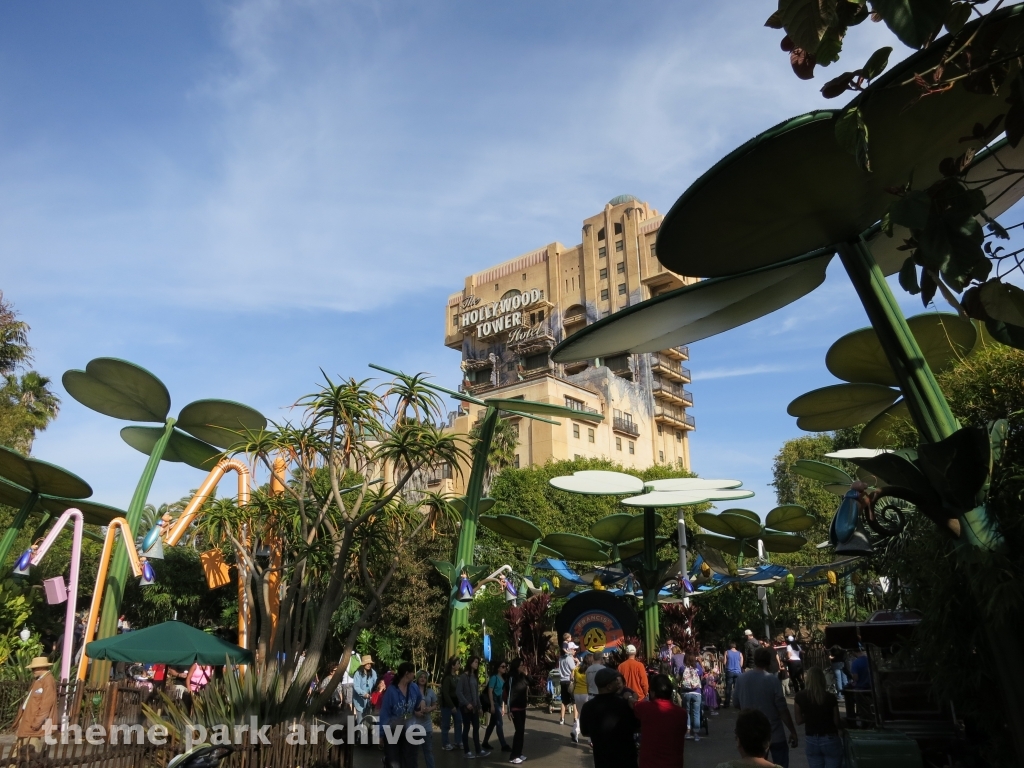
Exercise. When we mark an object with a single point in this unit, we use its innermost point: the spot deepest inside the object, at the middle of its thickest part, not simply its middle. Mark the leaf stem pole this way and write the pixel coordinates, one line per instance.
(927, 404)
(19, 520)
(652, 620)
(459, 620)
(118, 572)
(935, 422)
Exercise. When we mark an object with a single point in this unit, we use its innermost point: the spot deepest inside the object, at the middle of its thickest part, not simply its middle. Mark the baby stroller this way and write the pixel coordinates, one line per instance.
(554, 691)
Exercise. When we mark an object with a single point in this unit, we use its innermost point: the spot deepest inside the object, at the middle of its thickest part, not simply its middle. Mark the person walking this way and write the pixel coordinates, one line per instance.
(760, 689)
(566, 666)
(426, 720)
(794, 664)
(750, 645)
(608, 720)
(401, 704)
(363, 683)
(580, 695)
(493, 693)
(690, 685)
(733, 669)
(662, 725)
(450, 702)
(818, 711)
(837, 658)
(39, 708)
(518, 690)
(468, 690)
(753, 734)
(634, 674)
(596, 665)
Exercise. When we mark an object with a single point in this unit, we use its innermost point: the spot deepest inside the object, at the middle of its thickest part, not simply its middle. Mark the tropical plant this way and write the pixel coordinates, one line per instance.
(27, 404)
(342, 523)
(502, 453)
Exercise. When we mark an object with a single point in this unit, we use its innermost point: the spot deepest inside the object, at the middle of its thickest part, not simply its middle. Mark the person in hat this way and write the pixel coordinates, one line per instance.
(609, 722)
(363, 683)
(567, 664)
(39, 707)
(634, 674)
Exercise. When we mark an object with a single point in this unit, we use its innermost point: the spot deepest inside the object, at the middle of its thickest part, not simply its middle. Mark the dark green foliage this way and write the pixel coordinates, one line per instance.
(180, 591)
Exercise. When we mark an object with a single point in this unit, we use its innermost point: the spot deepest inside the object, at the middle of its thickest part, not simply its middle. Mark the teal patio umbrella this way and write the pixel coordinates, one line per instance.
(169, 643)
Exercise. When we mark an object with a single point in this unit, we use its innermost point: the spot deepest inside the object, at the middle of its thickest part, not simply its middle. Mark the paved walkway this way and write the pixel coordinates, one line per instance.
(548, 745)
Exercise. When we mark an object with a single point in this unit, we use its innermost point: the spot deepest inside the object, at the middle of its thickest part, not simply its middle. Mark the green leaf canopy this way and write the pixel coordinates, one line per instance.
(512, 527)
(696, 311)
(944, 339)
(820, 471)
(180, 448)
(576, 547)
(840, 405)
(728, 545)
(92, 512)
(737, 523)
(621, 527)
(789, 518)
(41, 476)
(120, 389)
(875, 432)
(483, 506)
(800, 191)
(222, 423)
(539, 409)
(636, 546)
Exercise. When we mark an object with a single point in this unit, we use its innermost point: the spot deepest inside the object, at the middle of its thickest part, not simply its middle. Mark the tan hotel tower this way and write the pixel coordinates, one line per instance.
(507, 318)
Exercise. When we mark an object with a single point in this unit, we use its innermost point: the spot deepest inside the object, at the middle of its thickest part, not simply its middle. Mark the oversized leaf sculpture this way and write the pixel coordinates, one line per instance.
(519, 532)
(868, 398)
(127, 391)
(737, 531)
(124, 390)
(30, 485)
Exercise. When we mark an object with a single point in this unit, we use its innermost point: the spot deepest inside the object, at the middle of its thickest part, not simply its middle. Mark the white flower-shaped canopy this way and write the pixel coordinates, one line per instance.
(673, 492)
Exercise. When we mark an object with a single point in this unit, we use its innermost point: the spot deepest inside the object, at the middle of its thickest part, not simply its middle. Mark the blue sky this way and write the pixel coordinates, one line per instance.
(236, 194)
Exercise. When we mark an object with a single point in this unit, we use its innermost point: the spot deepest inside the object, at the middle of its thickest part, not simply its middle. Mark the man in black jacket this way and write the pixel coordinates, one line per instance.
(609, 722)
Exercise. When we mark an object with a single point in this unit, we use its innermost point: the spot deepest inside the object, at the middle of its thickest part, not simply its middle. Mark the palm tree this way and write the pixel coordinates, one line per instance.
(14, 348)
(27, 406)
(503, 448)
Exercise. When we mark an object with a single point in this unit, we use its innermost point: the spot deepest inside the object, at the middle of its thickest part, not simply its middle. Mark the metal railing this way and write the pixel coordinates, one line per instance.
(677, 415)
(625, 425)
(675, 390)
(667, 364)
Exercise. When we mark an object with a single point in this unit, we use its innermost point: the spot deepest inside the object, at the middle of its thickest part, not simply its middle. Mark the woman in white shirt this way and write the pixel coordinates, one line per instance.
(795, 665)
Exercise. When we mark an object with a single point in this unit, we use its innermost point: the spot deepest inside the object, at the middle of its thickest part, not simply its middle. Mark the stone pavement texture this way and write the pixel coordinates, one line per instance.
(547, 745)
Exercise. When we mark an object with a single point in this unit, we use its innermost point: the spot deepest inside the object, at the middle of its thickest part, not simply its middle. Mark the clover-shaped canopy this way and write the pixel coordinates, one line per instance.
(620, 528)
(801, 194)
(572, 546)
(798, 190)
(737, 531)
(41, 476)
(858, 358)
(128, 391)
(516, 531)
(686, 498)
(595, 482)
(92, 512)
(636, 546)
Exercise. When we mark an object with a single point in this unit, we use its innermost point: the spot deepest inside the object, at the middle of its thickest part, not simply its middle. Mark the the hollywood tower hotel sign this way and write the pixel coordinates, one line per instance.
(498, 316)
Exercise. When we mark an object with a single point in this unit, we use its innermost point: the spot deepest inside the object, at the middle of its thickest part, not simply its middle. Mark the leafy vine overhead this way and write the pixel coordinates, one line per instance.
(943, 224)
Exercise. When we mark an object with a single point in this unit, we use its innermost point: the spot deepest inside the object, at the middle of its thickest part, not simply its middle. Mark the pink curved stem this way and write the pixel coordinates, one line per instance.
(76, 558)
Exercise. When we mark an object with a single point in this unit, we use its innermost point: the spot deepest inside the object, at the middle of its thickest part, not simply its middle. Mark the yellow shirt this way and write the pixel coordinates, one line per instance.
(579, 680)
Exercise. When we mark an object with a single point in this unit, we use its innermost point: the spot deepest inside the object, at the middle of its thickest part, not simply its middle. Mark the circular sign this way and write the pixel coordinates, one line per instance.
(598, 621)
(487, 647)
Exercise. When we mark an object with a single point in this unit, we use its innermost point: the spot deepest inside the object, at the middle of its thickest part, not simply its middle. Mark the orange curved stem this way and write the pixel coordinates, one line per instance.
(117, 524)
(191, 511)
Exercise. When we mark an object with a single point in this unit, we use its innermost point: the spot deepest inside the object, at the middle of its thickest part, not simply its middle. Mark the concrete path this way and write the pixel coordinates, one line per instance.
(548, 745)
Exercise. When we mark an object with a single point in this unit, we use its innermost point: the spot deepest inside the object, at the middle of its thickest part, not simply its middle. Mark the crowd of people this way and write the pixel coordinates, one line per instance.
(632, 714)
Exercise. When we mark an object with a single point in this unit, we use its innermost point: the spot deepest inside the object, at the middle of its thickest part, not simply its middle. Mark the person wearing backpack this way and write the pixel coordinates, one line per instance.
(691, 684)
(493, 703)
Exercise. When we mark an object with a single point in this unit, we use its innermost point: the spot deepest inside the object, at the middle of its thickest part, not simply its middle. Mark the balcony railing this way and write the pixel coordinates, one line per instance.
(673, 392)
(625, 425)
(664, 365)
(673, 415)
(583, 409)
(677, 353)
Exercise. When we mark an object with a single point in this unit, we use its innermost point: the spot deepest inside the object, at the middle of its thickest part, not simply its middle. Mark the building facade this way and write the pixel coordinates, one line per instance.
(507, 318)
